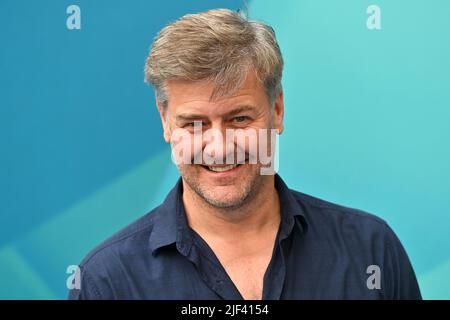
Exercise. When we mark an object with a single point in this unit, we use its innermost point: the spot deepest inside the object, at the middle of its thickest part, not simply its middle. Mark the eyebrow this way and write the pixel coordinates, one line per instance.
(194, 116)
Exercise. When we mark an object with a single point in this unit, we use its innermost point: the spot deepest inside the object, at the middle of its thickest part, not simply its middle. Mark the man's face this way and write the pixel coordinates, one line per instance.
(226, 185)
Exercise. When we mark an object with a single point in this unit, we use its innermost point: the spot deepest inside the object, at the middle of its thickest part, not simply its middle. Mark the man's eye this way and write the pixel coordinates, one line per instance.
(240, 119)
(193, 124)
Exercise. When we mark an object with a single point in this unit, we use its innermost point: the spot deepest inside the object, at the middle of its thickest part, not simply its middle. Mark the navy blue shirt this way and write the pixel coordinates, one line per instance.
(322, 251)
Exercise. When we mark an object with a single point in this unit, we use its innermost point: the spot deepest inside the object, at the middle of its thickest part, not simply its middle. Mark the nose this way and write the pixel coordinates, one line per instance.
(215, 144)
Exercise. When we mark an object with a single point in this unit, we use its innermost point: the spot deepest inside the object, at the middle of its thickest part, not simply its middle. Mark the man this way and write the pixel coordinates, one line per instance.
(230, 229)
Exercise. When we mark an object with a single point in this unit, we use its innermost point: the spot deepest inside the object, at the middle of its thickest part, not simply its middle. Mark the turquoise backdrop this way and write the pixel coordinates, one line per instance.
(366, 125)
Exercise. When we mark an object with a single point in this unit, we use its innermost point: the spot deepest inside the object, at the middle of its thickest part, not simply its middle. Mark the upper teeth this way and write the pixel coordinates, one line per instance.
(224, 168)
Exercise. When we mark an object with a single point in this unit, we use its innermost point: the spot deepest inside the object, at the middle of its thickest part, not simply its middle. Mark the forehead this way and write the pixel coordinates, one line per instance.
(195, 96)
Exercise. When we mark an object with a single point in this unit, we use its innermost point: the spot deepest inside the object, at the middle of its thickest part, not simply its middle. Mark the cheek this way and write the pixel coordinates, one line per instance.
(189, 170)
(186, 147)
(253, 141)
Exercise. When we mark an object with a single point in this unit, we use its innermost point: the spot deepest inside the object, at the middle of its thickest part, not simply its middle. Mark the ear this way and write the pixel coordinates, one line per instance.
(163, 115)
(278, 113)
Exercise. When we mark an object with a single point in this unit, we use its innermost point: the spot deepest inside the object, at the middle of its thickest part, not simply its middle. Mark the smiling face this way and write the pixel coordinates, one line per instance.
(221, 185)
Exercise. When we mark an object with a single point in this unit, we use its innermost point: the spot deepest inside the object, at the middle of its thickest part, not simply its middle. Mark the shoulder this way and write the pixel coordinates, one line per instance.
(363, 238)
(319, 210)
(130, 240)
(105, 266)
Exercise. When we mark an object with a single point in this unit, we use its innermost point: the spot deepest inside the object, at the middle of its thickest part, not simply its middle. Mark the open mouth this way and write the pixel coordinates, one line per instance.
(221, 168)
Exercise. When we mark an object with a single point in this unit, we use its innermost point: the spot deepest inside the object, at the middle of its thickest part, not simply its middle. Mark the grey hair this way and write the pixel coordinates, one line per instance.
(217, 45)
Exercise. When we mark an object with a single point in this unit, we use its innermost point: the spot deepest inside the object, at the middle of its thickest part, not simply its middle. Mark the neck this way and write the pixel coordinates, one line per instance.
(259, 214)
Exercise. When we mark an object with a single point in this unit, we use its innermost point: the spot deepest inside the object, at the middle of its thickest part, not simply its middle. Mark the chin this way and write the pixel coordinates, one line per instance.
(226, 202)
(222, 191)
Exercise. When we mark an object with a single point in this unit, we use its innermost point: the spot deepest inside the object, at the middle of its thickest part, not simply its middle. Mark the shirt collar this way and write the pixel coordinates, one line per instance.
(292, 212)
(170, 223)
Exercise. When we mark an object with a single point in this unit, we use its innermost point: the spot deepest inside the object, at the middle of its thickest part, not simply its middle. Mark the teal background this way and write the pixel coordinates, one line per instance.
(366, 125)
